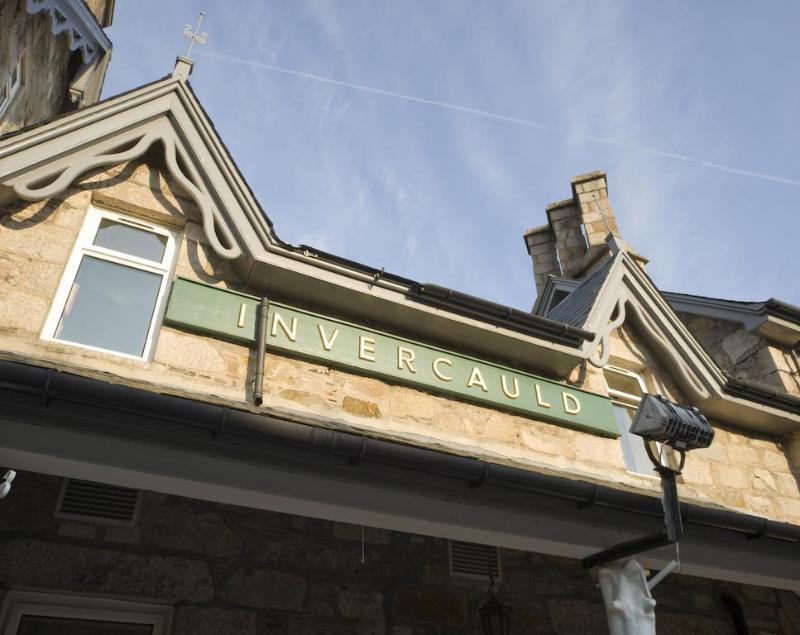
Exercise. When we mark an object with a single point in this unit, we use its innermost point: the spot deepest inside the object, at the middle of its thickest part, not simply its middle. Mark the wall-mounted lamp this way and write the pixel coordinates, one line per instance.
(679, 427)
(495, 616)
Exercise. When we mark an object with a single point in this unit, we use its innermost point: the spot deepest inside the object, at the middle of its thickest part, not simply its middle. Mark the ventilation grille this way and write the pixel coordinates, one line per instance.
(99, 502)
(475, 561)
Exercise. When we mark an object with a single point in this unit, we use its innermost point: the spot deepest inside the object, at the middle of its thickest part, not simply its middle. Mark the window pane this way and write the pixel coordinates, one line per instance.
(109, 306)
(130, 240)
(633, 450)
(43, 625)
(622, 382)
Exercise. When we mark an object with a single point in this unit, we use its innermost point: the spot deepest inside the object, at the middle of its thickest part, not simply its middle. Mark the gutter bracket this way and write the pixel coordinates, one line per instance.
(362, 450)
(223, 420)
(591, 500)
(760, 533)
(475, 484)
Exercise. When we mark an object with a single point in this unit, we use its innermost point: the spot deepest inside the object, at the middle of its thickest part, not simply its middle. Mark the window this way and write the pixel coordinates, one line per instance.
(626, 389)
(10, 86)
(111, 295)
(28, 613)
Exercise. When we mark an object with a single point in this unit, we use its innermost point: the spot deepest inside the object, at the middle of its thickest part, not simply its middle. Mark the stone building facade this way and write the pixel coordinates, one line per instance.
(260, 493)
(240, 571)
(53, 57)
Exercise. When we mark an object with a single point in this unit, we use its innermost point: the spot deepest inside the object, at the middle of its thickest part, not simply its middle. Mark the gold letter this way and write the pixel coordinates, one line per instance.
(510, 394)
(327, 343)
(366, 348)
(575, 407)
(476, 379)
(277, 321)
(242, 313)
(539, 401)
(439, 373)
(405, 356)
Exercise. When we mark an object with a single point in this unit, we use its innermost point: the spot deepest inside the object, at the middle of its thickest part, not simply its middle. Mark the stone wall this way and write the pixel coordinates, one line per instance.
(740, 471)
(744, 354)
(237, 571)
(45, 59)
(100, 9)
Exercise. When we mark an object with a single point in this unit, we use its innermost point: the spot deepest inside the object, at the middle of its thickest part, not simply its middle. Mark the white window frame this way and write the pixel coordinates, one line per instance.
(12, 87)
(84, 247)
(628, 400)
(20, 603)
(625, 398)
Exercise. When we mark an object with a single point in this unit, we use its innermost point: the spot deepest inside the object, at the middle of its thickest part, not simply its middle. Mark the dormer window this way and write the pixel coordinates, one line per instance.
(626, 389)
(111, 297)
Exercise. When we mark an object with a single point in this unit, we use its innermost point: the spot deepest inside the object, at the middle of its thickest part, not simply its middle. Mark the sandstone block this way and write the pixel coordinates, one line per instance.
(546, 443)
(361, 408)
(193, 620)
(742, 455)
(575, 616)
(28, 276)
(360, 603)
(787, 485)
(266, 589)
(698, 472)
(38, 563)
(38, 241)
(411, 404)
(202, 533)
(444, 608)
(434, 572)
(760, 505)
(731, 476)
(739, 344)
(790, 508)
(192, 353)
(302, 396)
(82, 531)
(763, 480)
(562, 213)
(540, 238)
(23, 312)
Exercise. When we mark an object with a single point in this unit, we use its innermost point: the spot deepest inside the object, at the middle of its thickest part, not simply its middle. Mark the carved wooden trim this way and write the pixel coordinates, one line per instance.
(53, 178)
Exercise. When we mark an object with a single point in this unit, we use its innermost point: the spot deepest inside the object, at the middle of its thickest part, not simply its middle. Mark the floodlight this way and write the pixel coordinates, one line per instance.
(680, 427)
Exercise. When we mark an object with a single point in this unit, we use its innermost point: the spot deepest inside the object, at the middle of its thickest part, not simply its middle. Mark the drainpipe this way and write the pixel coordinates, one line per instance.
(261, 345)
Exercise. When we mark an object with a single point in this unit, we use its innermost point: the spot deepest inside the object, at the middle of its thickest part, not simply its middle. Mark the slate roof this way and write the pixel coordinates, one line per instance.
(575, 308)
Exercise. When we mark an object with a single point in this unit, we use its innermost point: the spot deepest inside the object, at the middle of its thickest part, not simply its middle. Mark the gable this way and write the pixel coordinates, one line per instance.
(625, 296)
(42, 162)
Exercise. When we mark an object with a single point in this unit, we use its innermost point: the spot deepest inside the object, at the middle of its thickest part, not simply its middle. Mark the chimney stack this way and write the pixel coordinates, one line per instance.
(574, 239)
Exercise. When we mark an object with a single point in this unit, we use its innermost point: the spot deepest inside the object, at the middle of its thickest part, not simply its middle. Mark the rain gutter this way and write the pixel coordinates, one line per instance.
(61, 399)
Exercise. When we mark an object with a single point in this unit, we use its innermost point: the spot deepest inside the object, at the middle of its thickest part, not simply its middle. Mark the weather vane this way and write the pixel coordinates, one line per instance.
(196, 35)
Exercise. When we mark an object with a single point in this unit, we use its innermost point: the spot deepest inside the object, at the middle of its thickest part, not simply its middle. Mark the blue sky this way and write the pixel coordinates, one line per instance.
(425, 136)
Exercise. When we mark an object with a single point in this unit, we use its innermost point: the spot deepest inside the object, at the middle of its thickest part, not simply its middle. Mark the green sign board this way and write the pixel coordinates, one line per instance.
(231, 315)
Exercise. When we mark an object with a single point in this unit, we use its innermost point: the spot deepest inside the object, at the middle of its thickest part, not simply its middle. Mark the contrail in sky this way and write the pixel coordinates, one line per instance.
(527, 123)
